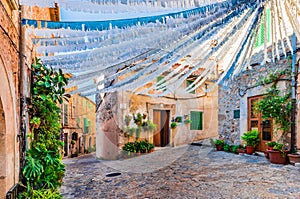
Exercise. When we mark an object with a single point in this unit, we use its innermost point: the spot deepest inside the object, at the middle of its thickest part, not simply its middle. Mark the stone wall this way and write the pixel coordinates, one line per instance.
(233, 97)
(9, 96)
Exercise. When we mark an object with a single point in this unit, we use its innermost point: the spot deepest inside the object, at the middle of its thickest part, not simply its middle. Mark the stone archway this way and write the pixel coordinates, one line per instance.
(2, 152)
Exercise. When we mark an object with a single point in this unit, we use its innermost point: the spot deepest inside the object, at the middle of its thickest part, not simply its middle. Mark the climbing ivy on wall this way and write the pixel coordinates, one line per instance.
(276, 104)
(44, 170)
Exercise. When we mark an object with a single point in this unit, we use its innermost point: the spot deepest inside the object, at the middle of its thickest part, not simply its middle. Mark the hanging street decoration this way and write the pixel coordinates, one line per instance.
(209, 40)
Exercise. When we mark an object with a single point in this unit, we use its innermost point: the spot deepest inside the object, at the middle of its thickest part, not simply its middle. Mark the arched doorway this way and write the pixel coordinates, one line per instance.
(2, 152)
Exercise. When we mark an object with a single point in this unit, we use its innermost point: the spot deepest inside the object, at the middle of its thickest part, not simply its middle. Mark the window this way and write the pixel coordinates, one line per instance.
(188, 83)
(73, 111)
(65, 115)
(85, 125)
(163, 82)
(197, 120)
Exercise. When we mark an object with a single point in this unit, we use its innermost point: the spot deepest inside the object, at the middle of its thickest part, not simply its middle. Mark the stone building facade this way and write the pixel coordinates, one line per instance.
(235, 101)
(79, 128)
(9, 96)
(15, 62)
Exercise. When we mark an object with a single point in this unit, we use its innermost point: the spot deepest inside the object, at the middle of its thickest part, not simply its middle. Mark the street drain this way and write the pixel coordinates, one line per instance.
(112, 174)
(196, 144)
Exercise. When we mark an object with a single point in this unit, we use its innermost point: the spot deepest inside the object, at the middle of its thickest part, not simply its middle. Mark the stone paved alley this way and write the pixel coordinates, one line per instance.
(181, 172)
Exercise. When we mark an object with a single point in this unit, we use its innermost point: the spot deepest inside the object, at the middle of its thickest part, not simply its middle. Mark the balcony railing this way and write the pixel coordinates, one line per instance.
(13, 192)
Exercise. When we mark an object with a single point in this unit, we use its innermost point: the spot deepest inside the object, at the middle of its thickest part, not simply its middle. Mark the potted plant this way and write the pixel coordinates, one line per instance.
(173, 125)
(138, 133)
(294, 157)
(187, 121)
(252, 140)
(138, 119)
(241, 149)
(128, 119)
(278, 155)
(219, 144)
(226, 147)
(270, 146)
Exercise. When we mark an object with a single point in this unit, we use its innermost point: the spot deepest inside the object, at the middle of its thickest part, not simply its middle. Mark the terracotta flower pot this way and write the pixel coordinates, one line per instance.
(276, 157)
(241, 150)
(270, 148)
(267, 154)
(250, 150)
(294, 158)
(219, 147)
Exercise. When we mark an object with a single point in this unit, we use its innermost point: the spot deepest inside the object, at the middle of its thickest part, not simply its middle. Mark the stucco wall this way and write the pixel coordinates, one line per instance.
(115, 106)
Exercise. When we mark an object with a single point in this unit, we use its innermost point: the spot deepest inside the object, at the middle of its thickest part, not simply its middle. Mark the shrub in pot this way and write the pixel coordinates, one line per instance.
(219, 144)
(241, 149)
(270, 146)
(278, 155)
(252, 139)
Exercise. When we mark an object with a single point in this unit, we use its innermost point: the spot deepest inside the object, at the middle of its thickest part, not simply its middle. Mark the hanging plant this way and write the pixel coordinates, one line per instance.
(173, 125)
(44, 170)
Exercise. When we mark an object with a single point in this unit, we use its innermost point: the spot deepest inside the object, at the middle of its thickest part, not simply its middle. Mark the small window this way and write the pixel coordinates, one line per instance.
(85, 125)
(65, 115)
(197, 120)
(188, 83)
(73, 110)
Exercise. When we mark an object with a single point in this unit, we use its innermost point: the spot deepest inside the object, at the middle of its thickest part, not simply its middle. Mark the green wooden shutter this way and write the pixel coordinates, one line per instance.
(85, 124)
(197, 120)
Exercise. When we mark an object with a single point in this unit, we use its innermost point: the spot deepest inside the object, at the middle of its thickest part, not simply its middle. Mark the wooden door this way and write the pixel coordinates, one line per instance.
(161, 119)
(66, 144)
(256, 122)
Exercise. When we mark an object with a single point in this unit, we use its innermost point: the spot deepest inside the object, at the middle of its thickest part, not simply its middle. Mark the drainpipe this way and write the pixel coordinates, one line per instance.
(24, 95)
(294, 89)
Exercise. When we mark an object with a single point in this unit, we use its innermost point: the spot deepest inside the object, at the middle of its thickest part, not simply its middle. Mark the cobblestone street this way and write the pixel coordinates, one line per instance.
(181, 172)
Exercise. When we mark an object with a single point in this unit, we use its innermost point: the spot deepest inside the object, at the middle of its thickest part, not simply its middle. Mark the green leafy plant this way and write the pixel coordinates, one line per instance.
(178, 119)
(149, 126)
(187, 121)
(251, 138)
(216, 142)
(131, 131)
(128, 119)
(276, 104)
(138, 119)
(271, 144)
(44, 170)
(226, 147)
(279, 147)
(234, 148)
(138, 146)
(138, 132)
(173, 125)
